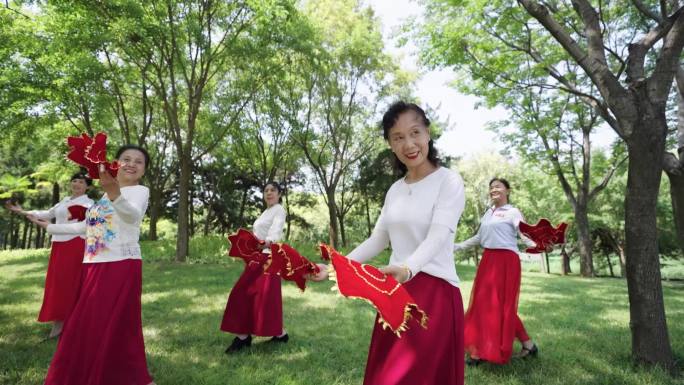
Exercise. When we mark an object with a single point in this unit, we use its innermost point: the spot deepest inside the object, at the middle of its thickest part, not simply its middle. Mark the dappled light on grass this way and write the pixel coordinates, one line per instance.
(581, 326)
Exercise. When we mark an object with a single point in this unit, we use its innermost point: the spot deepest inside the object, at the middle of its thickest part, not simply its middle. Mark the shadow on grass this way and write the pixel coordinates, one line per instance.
(581, 327)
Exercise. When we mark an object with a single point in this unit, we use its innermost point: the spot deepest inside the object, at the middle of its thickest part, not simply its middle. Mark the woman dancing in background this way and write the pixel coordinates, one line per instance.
(255, 304)
(492, 321)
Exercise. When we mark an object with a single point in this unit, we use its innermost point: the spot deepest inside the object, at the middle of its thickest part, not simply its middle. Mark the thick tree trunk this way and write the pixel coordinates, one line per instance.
(183, 241)
(650, 339)
(584, 240)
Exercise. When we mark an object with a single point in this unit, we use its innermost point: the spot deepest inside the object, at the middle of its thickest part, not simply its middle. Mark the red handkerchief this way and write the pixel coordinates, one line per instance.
(394, 304)
(90, 153)
(77, 212)
(245, 245)
(543, 234)
(289, 264)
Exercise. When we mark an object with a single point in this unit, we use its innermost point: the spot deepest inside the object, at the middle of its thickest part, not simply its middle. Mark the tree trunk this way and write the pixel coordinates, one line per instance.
(288, 217)
(646, 146)
(333, 230)
(191, 212)
(155, 209)
(55, 193)
(24, 235)
(369, 225)
(677, 196)
(610, 264)
(13, 232)
(565, 266)
(623, 260)
(183, 241)
(548, 265)
(30, 235)
(343, 234)
(207, 221)
(39, 235)
(243, 203)
(584, 240)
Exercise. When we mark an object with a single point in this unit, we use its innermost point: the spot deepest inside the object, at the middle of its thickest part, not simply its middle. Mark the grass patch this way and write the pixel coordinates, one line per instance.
(580, 325)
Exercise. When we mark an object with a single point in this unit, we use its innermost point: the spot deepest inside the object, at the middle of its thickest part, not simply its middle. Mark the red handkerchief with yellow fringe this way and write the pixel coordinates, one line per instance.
(543, 234)
(90, 153)
(77, 212)
(289, 264)
(355, 280)
(245, 245)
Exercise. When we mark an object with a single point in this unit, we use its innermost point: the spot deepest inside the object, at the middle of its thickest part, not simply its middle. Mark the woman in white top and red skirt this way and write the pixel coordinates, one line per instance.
(255, 304)
(418, 219)
(492, 321)
(63, 276)
(102, 342)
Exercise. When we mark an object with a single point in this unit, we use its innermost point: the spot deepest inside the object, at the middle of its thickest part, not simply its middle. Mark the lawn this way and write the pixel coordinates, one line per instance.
(580, 325)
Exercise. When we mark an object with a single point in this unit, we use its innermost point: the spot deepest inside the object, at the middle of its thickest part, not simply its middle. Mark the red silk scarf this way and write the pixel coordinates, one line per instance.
(543, 234)
(91, 153)
(290, 265)
(355, 280)
(246, 246)
(284, 260)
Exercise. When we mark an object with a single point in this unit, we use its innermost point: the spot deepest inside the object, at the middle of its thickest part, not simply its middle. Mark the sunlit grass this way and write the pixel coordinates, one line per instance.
(580, 325)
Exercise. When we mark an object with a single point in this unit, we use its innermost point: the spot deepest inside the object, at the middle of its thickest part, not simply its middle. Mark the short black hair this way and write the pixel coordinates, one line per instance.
(82, 175)
(127, 147)
(277, 186)
(502, 180)
(389, 119)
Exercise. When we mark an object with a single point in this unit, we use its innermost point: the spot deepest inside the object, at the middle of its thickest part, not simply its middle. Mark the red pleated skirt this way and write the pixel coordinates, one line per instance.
(255, 304)
(62, 280)
(432, 356)
(102, 341)
(492, 322)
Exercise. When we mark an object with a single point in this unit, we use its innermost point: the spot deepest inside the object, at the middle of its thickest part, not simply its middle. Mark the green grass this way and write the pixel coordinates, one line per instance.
(580, 325)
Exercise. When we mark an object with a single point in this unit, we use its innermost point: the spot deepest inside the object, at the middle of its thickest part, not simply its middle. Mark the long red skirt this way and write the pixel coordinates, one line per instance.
(62, 280)
(432, 356)
(492, 322)
(102, 341)
(255, 305)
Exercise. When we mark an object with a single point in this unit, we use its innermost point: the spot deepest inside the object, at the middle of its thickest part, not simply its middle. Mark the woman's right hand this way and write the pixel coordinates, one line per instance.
(322, 274)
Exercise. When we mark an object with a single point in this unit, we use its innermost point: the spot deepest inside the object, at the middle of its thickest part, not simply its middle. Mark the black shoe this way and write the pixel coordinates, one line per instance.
(531, 352)
(239, 344)
(283, 338)
(473, 361)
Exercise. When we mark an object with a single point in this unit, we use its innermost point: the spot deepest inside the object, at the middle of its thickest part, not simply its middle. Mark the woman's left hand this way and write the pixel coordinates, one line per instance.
(38, 222)
(109, 184)
(399, 273)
